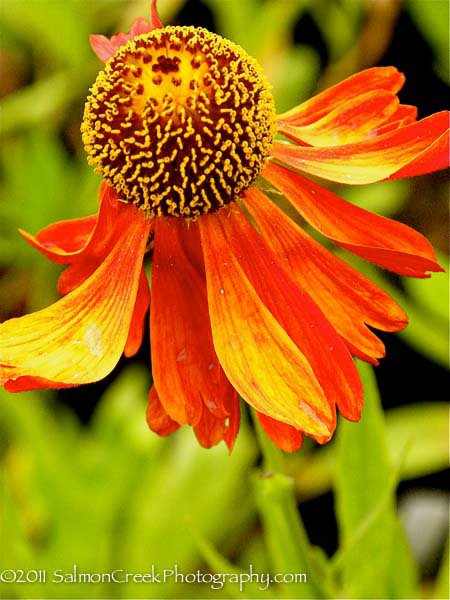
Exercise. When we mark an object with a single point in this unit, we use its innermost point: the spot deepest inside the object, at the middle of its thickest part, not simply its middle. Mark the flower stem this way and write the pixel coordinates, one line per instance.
(288, 544)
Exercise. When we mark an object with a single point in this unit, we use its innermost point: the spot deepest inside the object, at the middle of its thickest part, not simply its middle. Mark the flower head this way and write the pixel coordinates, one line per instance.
(180, 122)
(181, 125)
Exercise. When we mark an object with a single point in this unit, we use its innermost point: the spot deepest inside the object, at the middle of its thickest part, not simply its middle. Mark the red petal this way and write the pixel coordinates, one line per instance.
(80, 338)
(352, 121)
(233, 408)
(284, 436)
(377, 78)
(157, 418)
(434, 158)
(136, 332)
(64, 240)
(154, 15)
(347, 298)
(298, 315)
(85, 261)
(419, 147)
(261, 361)
(186, 371)
(387, 243)
(82, 243)
(212, 428)
(209, 430)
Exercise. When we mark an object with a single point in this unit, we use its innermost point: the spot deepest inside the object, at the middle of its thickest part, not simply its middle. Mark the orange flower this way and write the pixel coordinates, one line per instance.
(181, 124)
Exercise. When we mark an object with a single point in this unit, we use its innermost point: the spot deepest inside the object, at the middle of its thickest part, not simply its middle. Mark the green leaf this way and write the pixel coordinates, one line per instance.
(61, 29)
(425, 333)
(368, 525)
(294, 80)
(385, 198)
(433, 23)
(234, 19)
(442, 582)
(338, 23)
(286, 538)
(432, 295)
(423, 430)
(113, 495)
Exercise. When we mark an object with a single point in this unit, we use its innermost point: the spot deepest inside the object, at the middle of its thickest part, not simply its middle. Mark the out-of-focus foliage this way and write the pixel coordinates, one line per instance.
(111, 495)
(372, 542)
(433, 22)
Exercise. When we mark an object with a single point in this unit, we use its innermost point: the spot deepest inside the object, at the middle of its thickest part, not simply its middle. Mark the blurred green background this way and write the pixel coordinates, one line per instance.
(84, 482)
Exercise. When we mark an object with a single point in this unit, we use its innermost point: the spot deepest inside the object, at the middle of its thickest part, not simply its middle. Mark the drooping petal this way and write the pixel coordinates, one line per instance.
(209, 430)
(233, 421)
(80, 338)
(141, 306)
(417, 148)
(62, 241)
(297, 314)
(376, 78)
(157, 418)
(284, 436)
(353, 121)
(186, 370)
(258, 356)
(213, 427)
(105, 47)
(382, 241)
(84, 262)
(348, 299)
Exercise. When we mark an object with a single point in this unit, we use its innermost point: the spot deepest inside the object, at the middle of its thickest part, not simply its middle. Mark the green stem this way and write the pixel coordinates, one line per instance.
(273, 458)
(285, 534)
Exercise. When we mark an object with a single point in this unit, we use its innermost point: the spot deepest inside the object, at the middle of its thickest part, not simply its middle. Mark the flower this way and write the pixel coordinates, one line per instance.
(181, 125)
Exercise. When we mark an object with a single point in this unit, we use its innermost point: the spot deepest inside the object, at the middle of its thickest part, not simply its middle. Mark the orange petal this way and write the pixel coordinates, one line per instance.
(81, 242)
(261, 361)
(349, 300)
(156, 23)
(64, 240)
(284, 436)
(420, 147)
(80, 338)
(298, 315)
(142, 303)
(353, 121)
(84, 262)
(212, 427)
(209, 430)
(232, 406)
(434, 158)
(376, 78)
(382, 241)
(157, 418)
(404, 115)
(186, 371)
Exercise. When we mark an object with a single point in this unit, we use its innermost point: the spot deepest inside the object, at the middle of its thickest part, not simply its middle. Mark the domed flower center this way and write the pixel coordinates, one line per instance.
(180, 122)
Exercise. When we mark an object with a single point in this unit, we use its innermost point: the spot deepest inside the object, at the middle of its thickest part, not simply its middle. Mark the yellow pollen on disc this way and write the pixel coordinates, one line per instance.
(180, 122)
